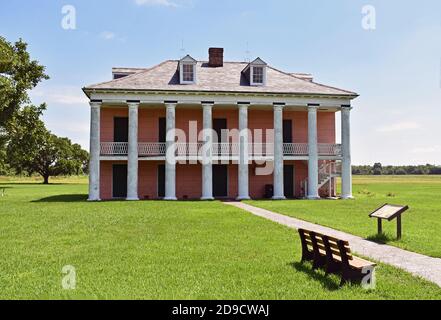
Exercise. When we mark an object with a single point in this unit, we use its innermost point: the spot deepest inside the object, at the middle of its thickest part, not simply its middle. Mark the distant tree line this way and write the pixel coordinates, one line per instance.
(378, 169)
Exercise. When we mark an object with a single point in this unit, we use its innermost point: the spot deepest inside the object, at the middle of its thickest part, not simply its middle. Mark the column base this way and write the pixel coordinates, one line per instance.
(313, 197)
(207, 199)
(93, 200)
(278, 198)
(243, 198)
(170, 199)
(347, 197)
(132, 199)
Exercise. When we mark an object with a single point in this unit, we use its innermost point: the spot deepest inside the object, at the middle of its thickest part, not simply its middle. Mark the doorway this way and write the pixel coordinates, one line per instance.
(120, 129)
(119, 181)
(288, 173)
(161, 181)
(220, 181)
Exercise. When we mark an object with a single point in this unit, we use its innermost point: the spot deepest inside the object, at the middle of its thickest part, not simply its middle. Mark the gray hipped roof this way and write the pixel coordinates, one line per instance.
(229, 78)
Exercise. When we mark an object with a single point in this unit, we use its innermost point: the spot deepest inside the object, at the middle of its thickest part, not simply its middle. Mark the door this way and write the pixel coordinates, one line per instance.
(121, 129)
(287, 131)
(218, 126)
(162, 130)
(161, 181)
(220, 181)
(119, 185)
(288, 172)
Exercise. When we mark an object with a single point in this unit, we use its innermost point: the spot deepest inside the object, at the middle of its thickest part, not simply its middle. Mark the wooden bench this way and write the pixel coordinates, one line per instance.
(334, 255)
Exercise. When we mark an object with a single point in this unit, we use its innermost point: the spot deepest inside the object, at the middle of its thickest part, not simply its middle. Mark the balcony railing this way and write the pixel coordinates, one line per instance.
(218, 149)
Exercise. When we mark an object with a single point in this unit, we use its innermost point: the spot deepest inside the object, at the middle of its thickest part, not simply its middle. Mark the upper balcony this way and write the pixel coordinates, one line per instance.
(219, 150)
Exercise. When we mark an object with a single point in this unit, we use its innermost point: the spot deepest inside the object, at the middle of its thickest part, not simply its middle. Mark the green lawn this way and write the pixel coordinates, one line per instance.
(157, 250)
(421, 224)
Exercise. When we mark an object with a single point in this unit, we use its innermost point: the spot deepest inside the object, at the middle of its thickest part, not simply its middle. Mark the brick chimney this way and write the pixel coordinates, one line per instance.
(216, 57)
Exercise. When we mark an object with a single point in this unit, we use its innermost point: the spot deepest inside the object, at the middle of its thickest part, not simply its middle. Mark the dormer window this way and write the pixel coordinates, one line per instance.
(187, 70)
(257, 75)
(256, 72)
(188, 73)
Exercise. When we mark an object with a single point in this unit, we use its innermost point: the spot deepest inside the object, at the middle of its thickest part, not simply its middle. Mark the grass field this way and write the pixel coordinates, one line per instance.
(157, 250)
(421, 224)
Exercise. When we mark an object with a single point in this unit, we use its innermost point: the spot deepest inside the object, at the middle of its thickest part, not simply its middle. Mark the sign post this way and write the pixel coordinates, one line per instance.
(389, 212)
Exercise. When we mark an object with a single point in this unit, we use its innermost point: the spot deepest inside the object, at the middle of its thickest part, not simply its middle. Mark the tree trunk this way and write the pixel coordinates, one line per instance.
(46, 179)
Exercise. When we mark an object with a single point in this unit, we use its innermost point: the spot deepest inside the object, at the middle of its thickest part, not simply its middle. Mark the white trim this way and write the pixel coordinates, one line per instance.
(231, 99)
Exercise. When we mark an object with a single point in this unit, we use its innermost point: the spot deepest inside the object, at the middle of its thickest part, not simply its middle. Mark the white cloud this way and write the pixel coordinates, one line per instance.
(65, 95)
(164, 3)
(107, 35)
(400, 126)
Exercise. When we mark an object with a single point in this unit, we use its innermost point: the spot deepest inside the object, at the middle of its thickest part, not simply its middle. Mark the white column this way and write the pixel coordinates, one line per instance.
(279, 189)
(95, 151)
(207, 155)
(243, 153)
(170, 162)
(132, 160)
(346, 173)
(313, 153)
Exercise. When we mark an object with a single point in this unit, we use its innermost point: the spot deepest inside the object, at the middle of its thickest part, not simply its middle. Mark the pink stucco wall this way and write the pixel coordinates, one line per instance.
(189, 177)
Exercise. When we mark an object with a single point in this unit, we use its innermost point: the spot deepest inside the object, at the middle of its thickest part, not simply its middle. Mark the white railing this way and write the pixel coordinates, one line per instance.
(328, 171)
(151, 149)
(261, 149)
(114, 148)
(225, 149)
(156, 149)
(295, 149)
(188, 149)
(325, 149)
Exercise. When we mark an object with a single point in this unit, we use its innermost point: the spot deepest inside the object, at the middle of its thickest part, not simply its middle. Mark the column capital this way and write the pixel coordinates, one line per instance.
(242, 104)
(278, 106)
(313, 106)
(207, 104)
(170, 104)
(95, 103)
(133, 103)
(346, 107)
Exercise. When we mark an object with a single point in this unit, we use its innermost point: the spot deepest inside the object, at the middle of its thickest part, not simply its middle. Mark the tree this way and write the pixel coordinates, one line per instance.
(378, 169)
(34, 149)
(18, 74)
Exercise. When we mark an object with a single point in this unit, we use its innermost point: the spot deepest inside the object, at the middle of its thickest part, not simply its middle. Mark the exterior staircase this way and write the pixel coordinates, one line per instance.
(328, 172)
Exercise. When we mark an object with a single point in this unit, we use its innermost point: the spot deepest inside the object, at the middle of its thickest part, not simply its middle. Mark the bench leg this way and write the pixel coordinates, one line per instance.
(332, 267)
(351, 276)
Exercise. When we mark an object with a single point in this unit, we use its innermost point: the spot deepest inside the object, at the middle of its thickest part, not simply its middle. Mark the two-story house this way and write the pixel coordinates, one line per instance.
(188, 129)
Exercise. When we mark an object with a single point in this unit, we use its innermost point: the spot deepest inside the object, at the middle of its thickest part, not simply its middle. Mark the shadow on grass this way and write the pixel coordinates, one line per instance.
(380, 238)
(317, 275)
(36, 183)
(64, 198)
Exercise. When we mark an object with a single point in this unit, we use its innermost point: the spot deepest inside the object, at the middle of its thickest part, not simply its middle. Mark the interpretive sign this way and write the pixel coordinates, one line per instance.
(389, 212)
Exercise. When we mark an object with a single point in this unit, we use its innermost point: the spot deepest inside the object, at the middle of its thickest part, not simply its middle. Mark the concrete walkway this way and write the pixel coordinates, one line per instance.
(417, 264)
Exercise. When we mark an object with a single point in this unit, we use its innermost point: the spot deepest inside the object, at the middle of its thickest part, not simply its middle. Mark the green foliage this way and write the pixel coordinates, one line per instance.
(18, 74)
(33, 149)
(378, 169)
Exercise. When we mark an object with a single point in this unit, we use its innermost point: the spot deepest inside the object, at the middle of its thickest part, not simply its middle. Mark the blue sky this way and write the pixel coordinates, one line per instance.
(396, 68)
